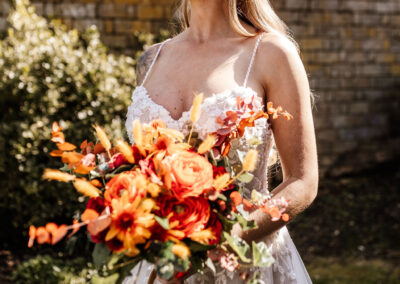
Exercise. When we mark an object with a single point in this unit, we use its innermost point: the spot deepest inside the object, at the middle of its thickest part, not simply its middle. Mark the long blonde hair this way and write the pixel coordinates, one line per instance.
(257, 13)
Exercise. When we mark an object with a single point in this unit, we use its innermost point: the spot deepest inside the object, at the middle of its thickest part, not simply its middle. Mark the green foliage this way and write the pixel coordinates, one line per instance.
(49, 73)
(53, 270)
(239, 246)
(261, 255)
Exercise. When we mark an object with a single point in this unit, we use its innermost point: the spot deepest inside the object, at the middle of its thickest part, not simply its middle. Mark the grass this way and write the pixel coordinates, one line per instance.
(352, 271)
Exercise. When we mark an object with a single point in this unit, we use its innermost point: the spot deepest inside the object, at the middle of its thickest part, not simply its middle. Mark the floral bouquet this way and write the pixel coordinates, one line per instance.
(169, 199)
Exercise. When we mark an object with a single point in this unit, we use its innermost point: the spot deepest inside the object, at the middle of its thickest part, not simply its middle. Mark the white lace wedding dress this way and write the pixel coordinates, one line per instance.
(288, 268)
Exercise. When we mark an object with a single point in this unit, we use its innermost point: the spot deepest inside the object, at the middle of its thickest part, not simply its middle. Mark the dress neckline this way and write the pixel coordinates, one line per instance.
(185, 114)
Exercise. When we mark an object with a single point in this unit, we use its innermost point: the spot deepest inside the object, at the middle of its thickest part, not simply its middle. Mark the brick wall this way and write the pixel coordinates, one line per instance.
(351, 49)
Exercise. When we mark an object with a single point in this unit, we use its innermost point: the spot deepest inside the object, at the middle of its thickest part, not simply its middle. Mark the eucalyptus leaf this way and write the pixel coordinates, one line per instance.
(243, 213)
(100, 254)
(164, 222)
(244, 223)
(255, 141)
(222, 197)
(241, 248)
(261, 255)
(165, 269)
(246, 177)
(227, 224)
(105, 280)
(65, 168)
(210, 264)
(197, 247)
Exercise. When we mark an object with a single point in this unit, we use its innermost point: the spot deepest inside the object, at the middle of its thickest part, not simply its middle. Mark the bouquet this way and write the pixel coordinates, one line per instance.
(171, 199)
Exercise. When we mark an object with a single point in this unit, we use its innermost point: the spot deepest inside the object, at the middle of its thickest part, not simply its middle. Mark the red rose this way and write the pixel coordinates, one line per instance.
(216, 228)
(185, 217)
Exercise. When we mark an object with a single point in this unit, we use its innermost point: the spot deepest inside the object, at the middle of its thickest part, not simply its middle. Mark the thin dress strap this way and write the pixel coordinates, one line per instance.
(154, 61)
(253, 56)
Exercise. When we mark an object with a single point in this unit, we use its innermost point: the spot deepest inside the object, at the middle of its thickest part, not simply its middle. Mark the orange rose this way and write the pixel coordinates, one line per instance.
(185, 216)
(188, 174)
(124, 181)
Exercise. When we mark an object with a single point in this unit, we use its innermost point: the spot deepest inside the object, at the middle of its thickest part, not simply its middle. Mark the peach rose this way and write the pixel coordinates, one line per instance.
(121, 182)
(188, 174)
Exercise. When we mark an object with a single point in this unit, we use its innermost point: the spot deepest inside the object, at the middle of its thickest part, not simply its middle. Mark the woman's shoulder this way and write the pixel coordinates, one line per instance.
(277, 47)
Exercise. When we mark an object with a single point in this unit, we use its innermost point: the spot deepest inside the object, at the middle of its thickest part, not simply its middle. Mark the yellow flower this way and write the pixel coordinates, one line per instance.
(57, 175)
(126, 151)
(206, 145)
(86, 188)
(196, 108)
(250, 161)
(221, 181)
(203, 237)
(181, 250)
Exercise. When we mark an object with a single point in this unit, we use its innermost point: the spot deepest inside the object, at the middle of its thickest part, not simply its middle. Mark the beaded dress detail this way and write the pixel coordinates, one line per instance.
(288, 267)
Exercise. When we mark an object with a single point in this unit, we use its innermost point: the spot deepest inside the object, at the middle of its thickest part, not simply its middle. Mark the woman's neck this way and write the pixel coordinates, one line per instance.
(208, 20)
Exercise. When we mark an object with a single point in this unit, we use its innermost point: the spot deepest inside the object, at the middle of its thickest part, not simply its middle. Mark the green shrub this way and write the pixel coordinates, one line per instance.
(49, 73)
(46, 269)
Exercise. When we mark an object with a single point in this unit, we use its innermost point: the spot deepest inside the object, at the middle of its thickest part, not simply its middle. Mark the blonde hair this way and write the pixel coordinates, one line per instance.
(257, 13)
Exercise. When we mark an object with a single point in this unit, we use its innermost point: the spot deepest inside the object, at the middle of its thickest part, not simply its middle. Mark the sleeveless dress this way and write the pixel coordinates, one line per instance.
(288, 268)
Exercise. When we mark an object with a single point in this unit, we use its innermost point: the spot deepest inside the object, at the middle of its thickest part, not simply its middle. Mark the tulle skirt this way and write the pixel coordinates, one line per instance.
(288, 267)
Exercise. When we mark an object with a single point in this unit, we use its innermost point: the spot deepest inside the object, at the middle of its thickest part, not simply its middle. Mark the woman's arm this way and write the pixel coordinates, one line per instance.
(285, 83)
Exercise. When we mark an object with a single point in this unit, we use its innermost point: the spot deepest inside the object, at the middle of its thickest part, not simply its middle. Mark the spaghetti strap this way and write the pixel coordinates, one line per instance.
(253, 56)
(154, 61)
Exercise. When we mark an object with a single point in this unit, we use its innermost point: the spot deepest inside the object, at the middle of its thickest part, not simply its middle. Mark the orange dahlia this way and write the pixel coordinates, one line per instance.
(130, 222)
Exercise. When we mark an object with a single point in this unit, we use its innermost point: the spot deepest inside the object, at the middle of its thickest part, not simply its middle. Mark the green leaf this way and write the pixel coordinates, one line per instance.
(261, 255)
(243, 213)
(165, 269)
(227, 224)
(246, 177)
(164, 222)
(241, 248)
(255, 141)
(105, 280)
(210, 264)
(65, 168)
(114, 259)
(222, 197)
(181, 265)
(100, 254)
(244, 223)
(197, 247)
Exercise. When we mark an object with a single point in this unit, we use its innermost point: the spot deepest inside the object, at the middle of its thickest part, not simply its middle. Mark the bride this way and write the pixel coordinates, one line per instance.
(231, 48)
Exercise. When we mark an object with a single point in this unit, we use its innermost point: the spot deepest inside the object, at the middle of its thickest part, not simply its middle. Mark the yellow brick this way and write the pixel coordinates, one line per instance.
(386, 44)
(396, 69)
(388, 58)
(108, 26)
(150, 12)
(372, 32)
(312, 43)
(141, 26)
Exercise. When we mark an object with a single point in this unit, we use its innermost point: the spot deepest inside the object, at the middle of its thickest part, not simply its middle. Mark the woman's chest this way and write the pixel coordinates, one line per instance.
(176, 79)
